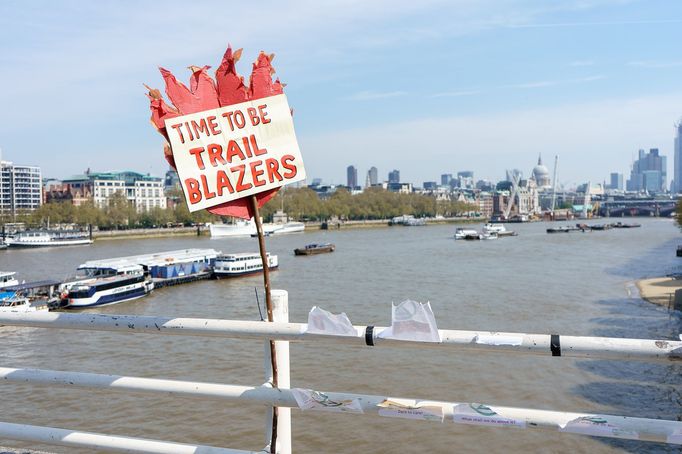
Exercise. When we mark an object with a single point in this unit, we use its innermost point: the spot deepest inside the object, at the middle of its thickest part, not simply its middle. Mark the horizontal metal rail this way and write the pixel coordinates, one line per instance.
(541, 344)
(102, 442)
(579, 423)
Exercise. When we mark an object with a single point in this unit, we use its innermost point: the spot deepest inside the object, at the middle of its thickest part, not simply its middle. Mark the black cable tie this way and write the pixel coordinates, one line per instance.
(369, 335)
(555, 345)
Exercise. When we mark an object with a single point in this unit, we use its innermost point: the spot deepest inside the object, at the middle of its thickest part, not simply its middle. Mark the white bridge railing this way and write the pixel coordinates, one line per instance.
(315, 400)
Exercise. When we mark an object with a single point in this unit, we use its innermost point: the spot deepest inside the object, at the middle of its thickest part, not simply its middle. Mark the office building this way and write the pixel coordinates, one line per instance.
(677, 172)
(373, 176)
(445, 179)
(351, 177)
(394, 176)
(649, 172)
(20, 188)
(143, 191)
(616, 181)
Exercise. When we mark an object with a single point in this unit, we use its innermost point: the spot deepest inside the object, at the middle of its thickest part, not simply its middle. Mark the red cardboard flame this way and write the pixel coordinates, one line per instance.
(204, 94)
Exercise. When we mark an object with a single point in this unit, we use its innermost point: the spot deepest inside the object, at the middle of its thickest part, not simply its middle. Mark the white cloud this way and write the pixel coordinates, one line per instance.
(454, 94)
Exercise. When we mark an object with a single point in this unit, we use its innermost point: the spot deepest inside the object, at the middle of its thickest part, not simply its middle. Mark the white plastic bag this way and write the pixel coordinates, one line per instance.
(412, 321)
(324, 322)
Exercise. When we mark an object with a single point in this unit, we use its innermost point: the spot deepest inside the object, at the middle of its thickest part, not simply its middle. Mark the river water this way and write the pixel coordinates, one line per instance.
(571, 284)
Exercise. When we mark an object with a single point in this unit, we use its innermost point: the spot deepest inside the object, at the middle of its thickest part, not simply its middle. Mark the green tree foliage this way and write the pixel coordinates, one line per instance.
(678, 214)
(300, 204)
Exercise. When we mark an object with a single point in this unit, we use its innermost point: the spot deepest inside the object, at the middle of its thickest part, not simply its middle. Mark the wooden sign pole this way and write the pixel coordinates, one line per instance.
(268, 306)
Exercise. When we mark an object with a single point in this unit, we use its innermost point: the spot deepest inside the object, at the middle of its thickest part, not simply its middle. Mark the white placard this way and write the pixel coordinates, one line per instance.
(483, 415)
(235, 151)
(409, 409)
(307, 399)
(599, 426)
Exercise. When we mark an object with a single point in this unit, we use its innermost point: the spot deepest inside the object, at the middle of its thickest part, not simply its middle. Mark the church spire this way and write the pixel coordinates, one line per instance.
(540, 159)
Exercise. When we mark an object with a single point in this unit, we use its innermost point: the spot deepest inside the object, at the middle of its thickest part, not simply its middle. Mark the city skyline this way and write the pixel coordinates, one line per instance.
(485, 86)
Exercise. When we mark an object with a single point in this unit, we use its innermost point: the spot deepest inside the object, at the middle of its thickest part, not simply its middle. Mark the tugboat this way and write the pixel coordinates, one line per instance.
(315, 248)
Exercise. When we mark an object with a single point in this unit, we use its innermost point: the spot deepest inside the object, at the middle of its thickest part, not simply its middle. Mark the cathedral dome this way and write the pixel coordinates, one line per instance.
(541, 174)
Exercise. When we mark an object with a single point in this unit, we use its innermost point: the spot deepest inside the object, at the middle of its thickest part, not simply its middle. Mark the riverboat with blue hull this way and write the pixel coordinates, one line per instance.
(109, 286)
(243, 264)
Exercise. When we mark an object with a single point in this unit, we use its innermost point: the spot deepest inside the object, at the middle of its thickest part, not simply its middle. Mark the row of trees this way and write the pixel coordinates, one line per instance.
(302, 204)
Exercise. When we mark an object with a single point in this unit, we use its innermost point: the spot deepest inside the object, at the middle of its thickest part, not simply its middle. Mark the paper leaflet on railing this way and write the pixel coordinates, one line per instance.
(324, 322)
(483, 415)
(307, 399)
(675, 437)
(597, 425)
(411, 409)
(498, 339)
(412, 321)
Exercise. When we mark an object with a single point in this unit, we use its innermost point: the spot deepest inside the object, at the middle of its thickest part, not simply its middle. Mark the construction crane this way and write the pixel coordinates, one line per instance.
(515, 188)
(556, 163)
(587, 200)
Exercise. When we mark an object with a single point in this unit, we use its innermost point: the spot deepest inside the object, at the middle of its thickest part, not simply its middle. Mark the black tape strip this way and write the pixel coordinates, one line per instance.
(369, 336)
(555, 345)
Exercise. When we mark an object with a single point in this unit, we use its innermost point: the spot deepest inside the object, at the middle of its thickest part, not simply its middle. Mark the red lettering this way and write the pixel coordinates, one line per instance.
(272, 166)
(197, 154)
(256, 173)
(192, 190)
(223, 182)
(234, 150)
(215, 152)
(204, 183)
(286, 163)
(240, 181)
(253, 116)
(239, 119)
(263, 114)
(228, 117)
(247, 147)
(189, 131)
(213, 125)
(177, 128)
(200, 127)
(257, 151)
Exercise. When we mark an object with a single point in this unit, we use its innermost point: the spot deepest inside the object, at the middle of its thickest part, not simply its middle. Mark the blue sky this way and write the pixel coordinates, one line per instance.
(426, 87)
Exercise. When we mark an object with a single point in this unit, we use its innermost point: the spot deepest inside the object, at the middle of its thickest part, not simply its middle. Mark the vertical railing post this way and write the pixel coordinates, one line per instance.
(280, 313)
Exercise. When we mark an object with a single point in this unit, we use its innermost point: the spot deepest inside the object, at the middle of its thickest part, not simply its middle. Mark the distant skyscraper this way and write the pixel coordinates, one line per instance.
(352, 176)
(394, 176)
(649, 172)
(616, 181)
(445, 179)
(465, 174)
(373, 176)
(677, 173)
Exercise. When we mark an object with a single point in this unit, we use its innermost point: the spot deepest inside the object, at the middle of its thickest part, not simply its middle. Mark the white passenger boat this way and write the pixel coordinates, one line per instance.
(7, 279)
(461, 233)
(10, 302)
(105, 284)
(47, 238)
(233, 265)
(289, 227)
(239, 228)
(498, 229)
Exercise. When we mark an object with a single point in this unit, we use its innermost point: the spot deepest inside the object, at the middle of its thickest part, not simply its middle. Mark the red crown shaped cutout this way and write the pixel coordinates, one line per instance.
(205, 94)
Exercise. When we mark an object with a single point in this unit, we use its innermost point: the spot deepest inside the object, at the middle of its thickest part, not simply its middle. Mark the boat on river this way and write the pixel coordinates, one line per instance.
(315, 248)
(248, 228)
(498, 229)
(39, 293)
(623, 225)
(106, 282)
(462, 233)
(242, 264)
(564, 229)
(7, 279)
(11, 302)
(48, 238)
